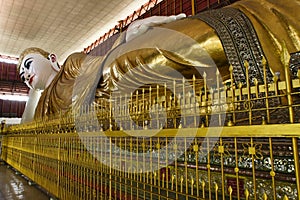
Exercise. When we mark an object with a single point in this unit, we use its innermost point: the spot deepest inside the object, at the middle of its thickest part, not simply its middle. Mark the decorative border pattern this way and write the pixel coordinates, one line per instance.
(239, 41)
(295, 63)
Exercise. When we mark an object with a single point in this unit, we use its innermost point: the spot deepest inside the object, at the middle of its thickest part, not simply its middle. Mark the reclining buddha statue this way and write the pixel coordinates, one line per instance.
(168, 48)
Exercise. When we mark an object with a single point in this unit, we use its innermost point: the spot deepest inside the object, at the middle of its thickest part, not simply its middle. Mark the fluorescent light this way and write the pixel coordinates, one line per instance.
(6, 60)
(13, 97)
(10, 121)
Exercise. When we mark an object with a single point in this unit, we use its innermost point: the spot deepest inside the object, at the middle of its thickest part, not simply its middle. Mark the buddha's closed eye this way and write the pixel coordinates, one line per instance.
(27, 63)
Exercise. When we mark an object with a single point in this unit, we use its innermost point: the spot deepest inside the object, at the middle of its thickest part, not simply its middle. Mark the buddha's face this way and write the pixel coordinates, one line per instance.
(36, 71)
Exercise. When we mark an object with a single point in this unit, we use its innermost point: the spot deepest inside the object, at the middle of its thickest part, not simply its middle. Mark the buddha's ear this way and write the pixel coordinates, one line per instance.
(53, 60)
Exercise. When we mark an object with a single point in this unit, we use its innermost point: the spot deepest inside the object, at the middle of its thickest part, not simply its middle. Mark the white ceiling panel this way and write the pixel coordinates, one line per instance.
(59, 26)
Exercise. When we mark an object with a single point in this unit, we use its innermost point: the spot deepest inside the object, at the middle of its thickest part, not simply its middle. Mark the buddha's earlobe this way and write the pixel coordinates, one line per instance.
(53, 60)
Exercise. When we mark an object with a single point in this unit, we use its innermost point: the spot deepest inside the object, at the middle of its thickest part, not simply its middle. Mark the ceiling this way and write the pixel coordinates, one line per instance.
(58, 26)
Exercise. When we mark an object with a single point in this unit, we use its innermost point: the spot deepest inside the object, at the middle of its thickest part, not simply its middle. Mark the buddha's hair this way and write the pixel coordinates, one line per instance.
(31, 50)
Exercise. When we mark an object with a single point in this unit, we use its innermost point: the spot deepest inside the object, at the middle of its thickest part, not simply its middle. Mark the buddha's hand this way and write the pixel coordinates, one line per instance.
(139, 27)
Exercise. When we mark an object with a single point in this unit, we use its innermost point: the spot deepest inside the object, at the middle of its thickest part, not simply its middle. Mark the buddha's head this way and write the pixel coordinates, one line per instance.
(37, 67)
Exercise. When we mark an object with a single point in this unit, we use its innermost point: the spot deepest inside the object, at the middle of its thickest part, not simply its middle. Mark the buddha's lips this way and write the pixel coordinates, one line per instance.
(31, 79)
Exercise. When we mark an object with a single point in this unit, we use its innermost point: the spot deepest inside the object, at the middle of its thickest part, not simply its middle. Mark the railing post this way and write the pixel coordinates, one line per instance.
(58, 167)
(1, 141)
(291, 114)
(193, 7)
(289, 91)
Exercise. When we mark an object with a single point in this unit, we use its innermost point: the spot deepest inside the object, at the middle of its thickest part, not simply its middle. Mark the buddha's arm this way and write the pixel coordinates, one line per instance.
(33, 99)
(185, 46)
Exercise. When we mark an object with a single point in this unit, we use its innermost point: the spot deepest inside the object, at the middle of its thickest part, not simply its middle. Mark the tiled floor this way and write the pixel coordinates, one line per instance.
(14, 187)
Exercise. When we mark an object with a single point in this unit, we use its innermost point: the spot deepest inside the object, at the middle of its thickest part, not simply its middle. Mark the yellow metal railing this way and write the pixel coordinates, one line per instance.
(93, 166)
(184, 139)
